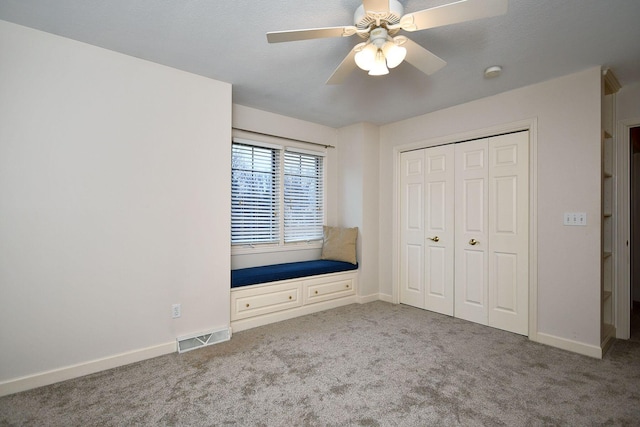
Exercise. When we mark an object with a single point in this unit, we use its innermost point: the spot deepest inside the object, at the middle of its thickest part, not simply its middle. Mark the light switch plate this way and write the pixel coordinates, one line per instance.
(575, 218)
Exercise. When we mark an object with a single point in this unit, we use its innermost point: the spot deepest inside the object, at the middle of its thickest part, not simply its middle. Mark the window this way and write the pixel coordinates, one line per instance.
(303, 199)
(277, 195)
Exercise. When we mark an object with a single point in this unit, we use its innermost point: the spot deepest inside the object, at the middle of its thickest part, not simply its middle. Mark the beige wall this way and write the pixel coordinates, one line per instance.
(115, 193)
(114, 175)
(358, 198)
(567, 112)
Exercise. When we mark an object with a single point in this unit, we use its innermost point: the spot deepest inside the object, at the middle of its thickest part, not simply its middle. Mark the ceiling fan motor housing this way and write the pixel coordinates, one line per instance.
(365, 19)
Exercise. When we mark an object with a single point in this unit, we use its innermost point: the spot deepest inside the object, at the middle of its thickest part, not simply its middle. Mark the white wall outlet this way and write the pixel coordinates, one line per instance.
(575, 218)
(175, 311)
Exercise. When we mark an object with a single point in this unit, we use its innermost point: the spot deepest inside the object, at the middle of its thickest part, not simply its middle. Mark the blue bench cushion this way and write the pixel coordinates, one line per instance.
(291, 270)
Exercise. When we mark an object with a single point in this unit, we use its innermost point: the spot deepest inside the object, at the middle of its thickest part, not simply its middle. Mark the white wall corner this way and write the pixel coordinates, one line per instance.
(364, 299)
(569, 345)
(386, 298)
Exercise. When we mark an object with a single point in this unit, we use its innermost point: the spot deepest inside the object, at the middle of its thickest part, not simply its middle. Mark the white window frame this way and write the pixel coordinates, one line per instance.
(281, 246)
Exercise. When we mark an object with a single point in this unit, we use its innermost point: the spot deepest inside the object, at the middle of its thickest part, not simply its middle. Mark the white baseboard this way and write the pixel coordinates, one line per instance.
(385, 298)
(367, 298)
(569, 345)
(74, 371)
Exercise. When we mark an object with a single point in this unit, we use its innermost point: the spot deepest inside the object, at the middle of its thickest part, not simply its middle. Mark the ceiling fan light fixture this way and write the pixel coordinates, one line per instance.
(380, 66)
(378, 23)
(366, 57)
(394, 54)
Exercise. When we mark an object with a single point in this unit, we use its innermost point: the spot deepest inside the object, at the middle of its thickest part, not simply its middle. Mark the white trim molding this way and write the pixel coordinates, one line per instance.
(364, 299)
(74, 371)
(386, 298)
(623, 260)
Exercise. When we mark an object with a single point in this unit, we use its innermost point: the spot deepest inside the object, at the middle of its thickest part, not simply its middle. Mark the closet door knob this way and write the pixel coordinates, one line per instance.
(435, 238)
(473, 242)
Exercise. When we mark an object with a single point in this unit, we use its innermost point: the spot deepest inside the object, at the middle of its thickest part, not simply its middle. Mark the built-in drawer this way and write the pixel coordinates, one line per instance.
(326, 289)
(266, 299)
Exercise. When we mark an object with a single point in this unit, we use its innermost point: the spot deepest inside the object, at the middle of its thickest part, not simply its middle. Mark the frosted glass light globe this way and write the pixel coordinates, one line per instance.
(380, 67)
(394, 54)
(365, 59)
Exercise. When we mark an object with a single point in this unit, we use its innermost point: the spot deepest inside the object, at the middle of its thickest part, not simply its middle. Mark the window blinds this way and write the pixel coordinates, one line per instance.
(303, 197)
(255, 194)
(277, 194)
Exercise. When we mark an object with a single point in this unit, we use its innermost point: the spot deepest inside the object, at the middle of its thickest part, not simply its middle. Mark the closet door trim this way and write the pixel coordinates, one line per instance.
(529, 125)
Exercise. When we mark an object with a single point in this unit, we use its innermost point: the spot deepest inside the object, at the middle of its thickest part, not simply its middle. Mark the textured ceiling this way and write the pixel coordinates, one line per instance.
(535, 41)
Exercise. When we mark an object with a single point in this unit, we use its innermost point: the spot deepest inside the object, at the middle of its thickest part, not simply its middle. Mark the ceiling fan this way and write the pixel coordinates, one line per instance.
(378, 23)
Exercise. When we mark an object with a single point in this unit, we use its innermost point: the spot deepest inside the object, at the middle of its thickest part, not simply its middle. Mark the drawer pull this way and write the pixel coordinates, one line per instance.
(290, 297)
(316, 292)
(347, 286)
(247, 305)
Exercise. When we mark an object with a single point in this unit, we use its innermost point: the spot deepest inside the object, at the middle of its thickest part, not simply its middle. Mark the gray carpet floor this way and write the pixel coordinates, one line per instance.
(375, 364)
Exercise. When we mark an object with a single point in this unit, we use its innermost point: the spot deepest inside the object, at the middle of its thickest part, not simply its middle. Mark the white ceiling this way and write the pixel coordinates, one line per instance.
(535, 41)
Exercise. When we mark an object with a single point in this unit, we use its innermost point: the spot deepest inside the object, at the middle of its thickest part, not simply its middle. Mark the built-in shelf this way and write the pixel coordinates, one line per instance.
(610, 86)
(608, 330)
(611, 83)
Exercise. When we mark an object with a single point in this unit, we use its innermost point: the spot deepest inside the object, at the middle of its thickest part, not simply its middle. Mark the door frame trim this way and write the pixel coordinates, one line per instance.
(530, 125)
(622, 260)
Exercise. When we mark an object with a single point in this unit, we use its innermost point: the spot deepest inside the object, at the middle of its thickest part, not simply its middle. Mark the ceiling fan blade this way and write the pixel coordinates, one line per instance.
(311, 33)
(376, 5)
(345, 68)
(453, 13)
(422, 59)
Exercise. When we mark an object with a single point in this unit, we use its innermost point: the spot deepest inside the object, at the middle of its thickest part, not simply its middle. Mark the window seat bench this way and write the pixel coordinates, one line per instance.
(272, 293)
(291, 270)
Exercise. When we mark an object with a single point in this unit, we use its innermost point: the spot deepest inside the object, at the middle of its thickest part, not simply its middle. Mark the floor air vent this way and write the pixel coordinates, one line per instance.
(193, 342)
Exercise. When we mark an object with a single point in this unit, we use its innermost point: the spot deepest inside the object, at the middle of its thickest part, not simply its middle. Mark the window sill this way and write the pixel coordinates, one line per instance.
(260, 249)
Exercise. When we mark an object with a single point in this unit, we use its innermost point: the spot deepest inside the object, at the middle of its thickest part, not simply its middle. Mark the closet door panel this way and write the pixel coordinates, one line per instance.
(504, 297)
(414, 275)
(412, 246)
(439, 229)
(471, 224)
(436, 274)
(472, 283)
(509, 232)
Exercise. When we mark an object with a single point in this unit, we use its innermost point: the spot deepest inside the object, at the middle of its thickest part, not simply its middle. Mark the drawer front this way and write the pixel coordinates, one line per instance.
(269, 299)
(323, 291)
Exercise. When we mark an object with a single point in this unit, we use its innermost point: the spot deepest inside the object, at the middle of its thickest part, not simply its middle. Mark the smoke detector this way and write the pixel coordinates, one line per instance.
(493, 71)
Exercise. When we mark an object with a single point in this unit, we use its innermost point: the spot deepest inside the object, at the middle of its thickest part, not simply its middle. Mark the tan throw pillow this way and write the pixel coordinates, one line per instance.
(339, 244)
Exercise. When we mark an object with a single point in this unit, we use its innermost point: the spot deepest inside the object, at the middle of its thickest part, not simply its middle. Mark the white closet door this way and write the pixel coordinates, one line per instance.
(509, 232)
(412, 237)
(471, 223)
(439, 228)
